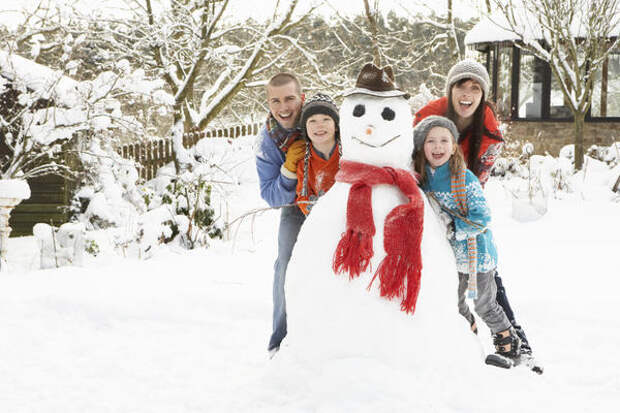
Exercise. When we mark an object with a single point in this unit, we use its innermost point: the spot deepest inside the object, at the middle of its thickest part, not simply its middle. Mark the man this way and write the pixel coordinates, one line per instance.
(279, 148)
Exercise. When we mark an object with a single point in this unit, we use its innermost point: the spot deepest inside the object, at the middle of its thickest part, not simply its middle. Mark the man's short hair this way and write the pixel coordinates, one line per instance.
(284, 78)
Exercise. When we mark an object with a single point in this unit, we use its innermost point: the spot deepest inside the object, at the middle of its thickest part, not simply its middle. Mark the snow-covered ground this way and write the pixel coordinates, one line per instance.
(186, 331)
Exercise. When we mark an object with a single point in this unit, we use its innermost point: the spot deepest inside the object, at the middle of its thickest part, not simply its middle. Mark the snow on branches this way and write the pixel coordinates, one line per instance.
(574, 37)
(43, 110)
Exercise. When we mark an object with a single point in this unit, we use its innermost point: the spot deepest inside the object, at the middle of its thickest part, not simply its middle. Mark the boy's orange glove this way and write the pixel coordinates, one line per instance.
(294, 154)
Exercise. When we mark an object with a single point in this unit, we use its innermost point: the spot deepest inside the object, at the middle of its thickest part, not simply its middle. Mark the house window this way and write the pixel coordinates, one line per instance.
(504, 79)
(559, 106)
(606, 93)
(532, 75)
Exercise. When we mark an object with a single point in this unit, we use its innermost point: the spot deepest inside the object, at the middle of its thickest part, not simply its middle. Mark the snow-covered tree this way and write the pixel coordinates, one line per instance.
(204, 62)
(448, 31)
(43, 109)
(574, 37)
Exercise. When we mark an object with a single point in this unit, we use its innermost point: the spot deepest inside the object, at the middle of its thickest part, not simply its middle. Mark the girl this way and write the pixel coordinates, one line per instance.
(465, 103)
(479, 137)
(316, 172)
(444, 177)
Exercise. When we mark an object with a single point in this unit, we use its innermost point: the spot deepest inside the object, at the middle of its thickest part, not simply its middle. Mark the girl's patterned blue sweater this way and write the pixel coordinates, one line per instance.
(438, 182)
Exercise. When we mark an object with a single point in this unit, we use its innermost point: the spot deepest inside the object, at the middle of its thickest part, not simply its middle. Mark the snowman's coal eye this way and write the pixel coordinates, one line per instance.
(359, 110)
(388, 114)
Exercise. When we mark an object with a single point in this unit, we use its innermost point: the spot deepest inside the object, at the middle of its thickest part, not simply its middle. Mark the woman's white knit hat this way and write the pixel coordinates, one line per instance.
(468, 69)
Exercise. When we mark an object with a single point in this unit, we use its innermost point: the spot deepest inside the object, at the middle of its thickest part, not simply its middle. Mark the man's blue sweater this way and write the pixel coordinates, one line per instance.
(275, 188)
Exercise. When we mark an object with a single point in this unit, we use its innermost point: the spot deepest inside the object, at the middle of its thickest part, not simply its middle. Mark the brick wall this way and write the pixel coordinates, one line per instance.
(552, 136)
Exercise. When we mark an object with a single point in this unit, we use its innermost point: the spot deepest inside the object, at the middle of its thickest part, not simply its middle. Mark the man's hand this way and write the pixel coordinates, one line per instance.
(294, 154)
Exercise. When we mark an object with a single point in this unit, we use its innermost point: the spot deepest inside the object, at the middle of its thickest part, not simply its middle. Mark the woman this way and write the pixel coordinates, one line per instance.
(465, 103)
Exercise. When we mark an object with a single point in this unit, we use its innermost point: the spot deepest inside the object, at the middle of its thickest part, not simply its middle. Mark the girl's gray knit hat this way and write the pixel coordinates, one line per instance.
(428, 123)
(468, 69)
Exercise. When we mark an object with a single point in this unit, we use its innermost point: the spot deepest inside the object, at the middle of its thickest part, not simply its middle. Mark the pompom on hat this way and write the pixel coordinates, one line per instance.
(319, 103)
(428, 123)
(376, 82)
(468, 69)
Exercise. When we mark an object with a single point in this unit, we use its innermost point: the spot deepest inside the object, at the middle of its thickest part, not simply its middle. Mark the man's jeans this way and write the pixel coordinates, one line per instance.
(291, 219)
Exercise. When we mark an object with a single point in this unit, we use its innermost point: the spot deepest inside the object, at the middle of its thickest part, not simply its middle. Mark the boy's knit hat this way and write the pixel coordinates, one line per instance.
(468, 69)
(319, 103)
(428, 123)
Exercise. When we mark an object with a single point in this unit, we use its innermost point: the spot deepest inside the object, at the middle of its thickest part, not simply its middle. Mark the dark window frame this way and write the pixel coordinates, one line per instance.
(492, 65)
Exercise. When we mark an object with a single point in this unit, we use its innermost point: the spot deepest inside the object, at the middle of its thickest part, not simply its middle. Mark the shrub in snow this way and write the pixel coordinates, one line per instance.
(168, 208)
(108, 196)
(92, 247)
(536, 177)
(610, 155)
(60, 246)
(189, 200)
(568, 152)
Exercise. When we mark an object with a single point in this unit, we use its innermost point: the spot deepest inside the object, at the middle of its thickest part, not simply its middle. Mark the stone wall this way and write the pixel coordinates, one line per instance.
(552, 136)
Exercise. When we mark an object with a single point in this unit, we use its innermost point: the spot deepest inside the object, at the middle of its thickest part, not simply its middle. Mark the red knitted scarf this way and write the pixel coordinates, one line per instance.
(399, 272)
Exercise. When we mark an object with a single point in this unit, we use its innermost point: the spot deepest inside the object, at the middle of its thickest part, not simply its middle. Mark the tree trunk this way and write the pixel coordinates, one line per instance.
(177, 117)
(604, 83)
(372, 24)
(579, 124)
(616, 187)
(452, 39)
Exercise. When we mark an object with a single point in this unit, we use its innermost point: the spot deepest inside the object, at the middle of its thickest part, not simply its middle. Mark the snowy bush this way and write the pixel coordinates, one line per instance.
(610, 155)
(189, 201)
(108, 195)
(538, 177)
(188, 209)
(60, 246)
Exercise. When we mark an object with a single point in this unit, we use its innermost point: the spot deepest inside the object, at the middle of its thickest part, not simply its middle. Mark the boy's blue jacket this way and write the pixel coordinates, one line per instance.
(438, 182)
(275, 188)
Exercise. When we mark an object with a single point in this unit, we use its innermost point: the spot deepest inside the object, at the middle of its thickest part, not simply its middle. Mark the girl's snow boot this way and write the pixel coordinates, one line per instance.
(507, 344)
(507, 349)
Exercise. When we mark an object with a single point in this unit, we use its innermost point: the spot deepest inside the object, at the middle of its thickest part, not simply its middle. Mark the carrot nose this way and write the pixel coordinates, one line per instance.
(368, 131)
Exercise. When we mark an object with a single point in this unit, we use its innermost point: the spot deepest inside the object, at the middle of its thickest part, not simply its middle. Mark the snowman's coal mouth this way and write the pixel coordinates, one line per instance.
(375, 146)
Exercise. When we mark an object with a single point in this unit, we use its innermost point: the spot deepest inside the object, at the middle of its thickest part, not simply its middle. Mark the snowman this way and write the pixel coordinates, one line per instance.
(372, 276)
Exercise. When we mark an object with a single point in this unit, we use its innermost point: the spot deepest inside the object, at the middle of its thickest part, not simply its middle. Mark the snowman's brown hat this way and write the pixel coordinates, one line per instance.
(376, 82)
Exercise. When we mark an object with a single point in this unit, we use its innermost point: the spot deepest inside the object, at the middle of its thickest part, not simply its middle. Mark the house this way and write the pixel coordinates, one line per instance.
(528, 96)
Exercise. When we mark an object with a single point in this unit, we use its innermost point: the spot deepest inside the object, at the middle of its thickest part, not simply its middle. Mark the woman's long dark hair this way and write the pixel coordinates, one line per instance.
(477, 127)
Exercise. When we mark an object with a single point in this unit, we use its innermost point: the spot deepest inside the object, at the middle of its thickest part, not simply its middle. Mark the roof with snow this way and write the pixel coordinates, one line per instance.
(494, 28)
(46, 82)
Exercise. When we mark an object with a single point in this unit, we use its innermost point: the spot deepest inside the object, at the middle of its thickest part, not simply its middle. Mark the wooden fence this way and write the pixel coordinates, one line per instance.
(152, 155)
(51, 194)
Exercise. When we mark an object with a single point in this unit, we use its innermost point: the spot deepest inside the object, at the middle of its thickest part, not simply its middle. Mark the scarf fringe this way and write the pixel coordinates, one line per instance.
(353, 253)
(400, 271)
(399, 278)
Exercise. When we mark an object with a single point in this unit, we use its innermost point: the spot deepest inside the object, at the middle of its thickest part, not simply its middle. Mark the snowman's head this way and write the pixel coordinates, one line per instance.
(376, 125)
(377, 130)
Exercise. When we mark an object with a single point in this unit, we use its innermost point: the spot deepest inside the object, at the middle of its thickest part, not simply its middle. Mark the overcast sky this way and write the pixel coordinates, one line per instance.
(259, 9)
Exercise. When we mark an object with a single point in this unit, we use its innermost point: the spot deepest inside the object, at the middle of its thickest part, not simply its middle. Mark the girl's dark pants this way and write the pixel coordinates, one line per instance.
(502, 300)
